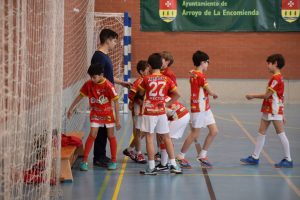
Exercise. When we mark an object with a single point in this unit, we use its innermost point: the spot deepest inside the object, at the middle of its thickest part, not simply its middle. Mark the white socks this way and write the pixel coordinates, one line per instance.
(203, 154)
(164, 157)
(151, 164)
(130, 149)
(286, 145)
(173, 162)
(260, 141)
(181, 155)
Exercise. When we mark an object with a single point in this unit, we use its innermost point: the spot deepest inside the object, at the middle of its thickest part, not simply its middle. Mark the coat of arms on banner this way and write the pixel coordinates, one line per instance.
(290, 10)
(168, 10)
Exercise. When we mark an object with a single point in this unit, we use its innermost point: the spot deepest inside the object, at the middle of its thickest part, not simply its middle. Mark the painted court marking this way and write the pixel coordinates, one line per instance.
(208, 184)
(120, 179)
(108, 175)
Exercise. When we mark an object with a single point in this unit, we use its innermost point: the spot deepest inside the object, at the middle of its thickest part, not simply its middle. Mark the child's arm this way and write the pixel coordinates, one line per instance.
(123, 83)
(174, 97)
(75, 102)
(140, 92)
(210, 92)
(260, 96)
(117, 108)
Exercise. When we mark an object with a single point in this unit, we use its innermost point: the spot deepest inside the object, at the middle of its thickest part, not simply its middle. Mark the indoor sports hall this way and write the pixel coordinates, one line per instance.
(233, 66)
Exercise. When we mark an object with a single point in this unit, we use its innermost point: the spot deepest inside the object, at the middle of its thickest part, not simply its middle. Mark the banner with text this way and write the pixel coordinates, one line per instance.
(220, 15)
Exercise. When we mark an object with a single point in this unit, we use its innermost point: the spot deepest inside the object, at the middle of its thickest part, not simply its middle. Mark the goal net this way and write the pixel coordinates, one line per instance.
(31, 78)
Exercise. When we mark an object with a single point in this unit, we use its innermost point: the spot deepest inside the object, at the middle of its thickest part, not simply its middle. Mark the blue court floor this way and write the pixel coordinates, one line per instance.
(238, 125)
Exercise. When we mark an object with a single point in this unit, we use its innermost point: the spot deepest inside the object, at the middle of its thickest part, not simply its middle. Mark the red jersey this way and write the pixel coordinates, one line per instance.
(137, 108)
(274, 104)
(199, 95)
(100, 97)
(156, 87)
(168, 72)
(179, 111)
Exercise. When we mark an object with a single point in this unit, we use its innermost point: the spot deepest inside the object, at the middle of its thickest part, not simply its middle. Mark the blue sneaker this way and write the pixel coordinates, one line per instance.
(184, 163)
(112, 166)
(284, 163)
(204, 162)
(84, 166)
(250, 161)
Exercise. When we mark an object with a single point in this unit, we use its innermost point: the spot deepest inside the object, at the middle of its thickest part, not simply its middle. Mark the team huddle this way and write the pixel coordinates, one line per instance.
(156, 111)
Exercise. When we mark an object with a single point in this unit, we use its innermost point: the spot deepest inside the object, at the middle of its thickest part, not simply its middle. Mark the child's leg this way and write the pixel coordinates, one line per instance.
(137, 141)
(260, 139)
(132, 145)
(113, 144)
(164, 154)
(213, 131)
(150, 150)
(169, 145)
(194, 134)
(89, 143)
(278, 124)
(133, 142)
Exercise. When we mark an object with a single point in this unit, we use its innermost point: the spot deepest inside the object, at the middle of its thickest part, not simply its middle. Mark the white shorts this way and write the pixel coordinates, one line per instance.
(155, 124)
(271, 117)
(97, 125)
(202, 119)
(138, 121)
(177, 127)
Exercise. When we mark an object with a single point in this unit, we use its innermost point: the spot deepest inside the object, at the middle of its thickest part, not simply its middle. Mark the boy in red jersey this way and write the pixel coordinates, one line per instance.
(201, 116)
(101, 94)
(167, 61)
(156, 87)
(272, 111)
(136, 109)
(178, 117)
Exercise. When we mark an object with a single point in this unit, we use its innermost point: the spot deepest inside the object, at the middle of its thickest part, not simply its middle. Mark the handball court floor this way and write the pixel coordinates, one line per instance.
(238, 125)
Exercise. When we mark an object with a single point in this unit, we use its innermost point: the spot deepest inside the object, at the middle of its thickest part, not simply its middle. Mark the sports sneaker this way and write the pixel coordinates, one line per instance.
(175, 169)
(157, 157)
(112, 166)
(205, 163)
(161, 168)
(139, 158)
(184, 163)
(284, 163)
(250, 161)
(84, 166)
(102, 161)
(130, 154)
(149, 171)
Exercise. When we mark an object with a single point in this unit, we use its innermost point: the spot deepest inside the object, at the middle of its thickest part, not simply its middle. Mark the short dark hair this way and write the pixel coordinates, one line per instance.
(96, 69)
(168, 57)
(141, 66)
(198, 57)
(106, 34)
(155, 61)
(276, 58)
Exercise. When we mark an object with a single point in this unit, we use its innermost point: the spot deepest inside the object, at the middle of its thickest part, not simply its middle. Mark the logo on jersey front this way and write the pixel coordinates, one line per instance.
(102, 100)
(168, 10)
(290, 10)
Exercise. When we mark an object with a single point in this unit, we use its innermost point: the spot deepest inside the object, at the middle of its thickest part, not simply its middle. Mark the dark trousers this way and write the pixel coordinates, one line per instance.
(100, 144)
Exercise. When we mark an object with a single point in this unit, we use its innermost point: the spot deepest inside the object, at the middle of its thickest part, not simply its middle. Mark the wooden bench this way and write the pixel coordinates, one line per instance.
(69, 155)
